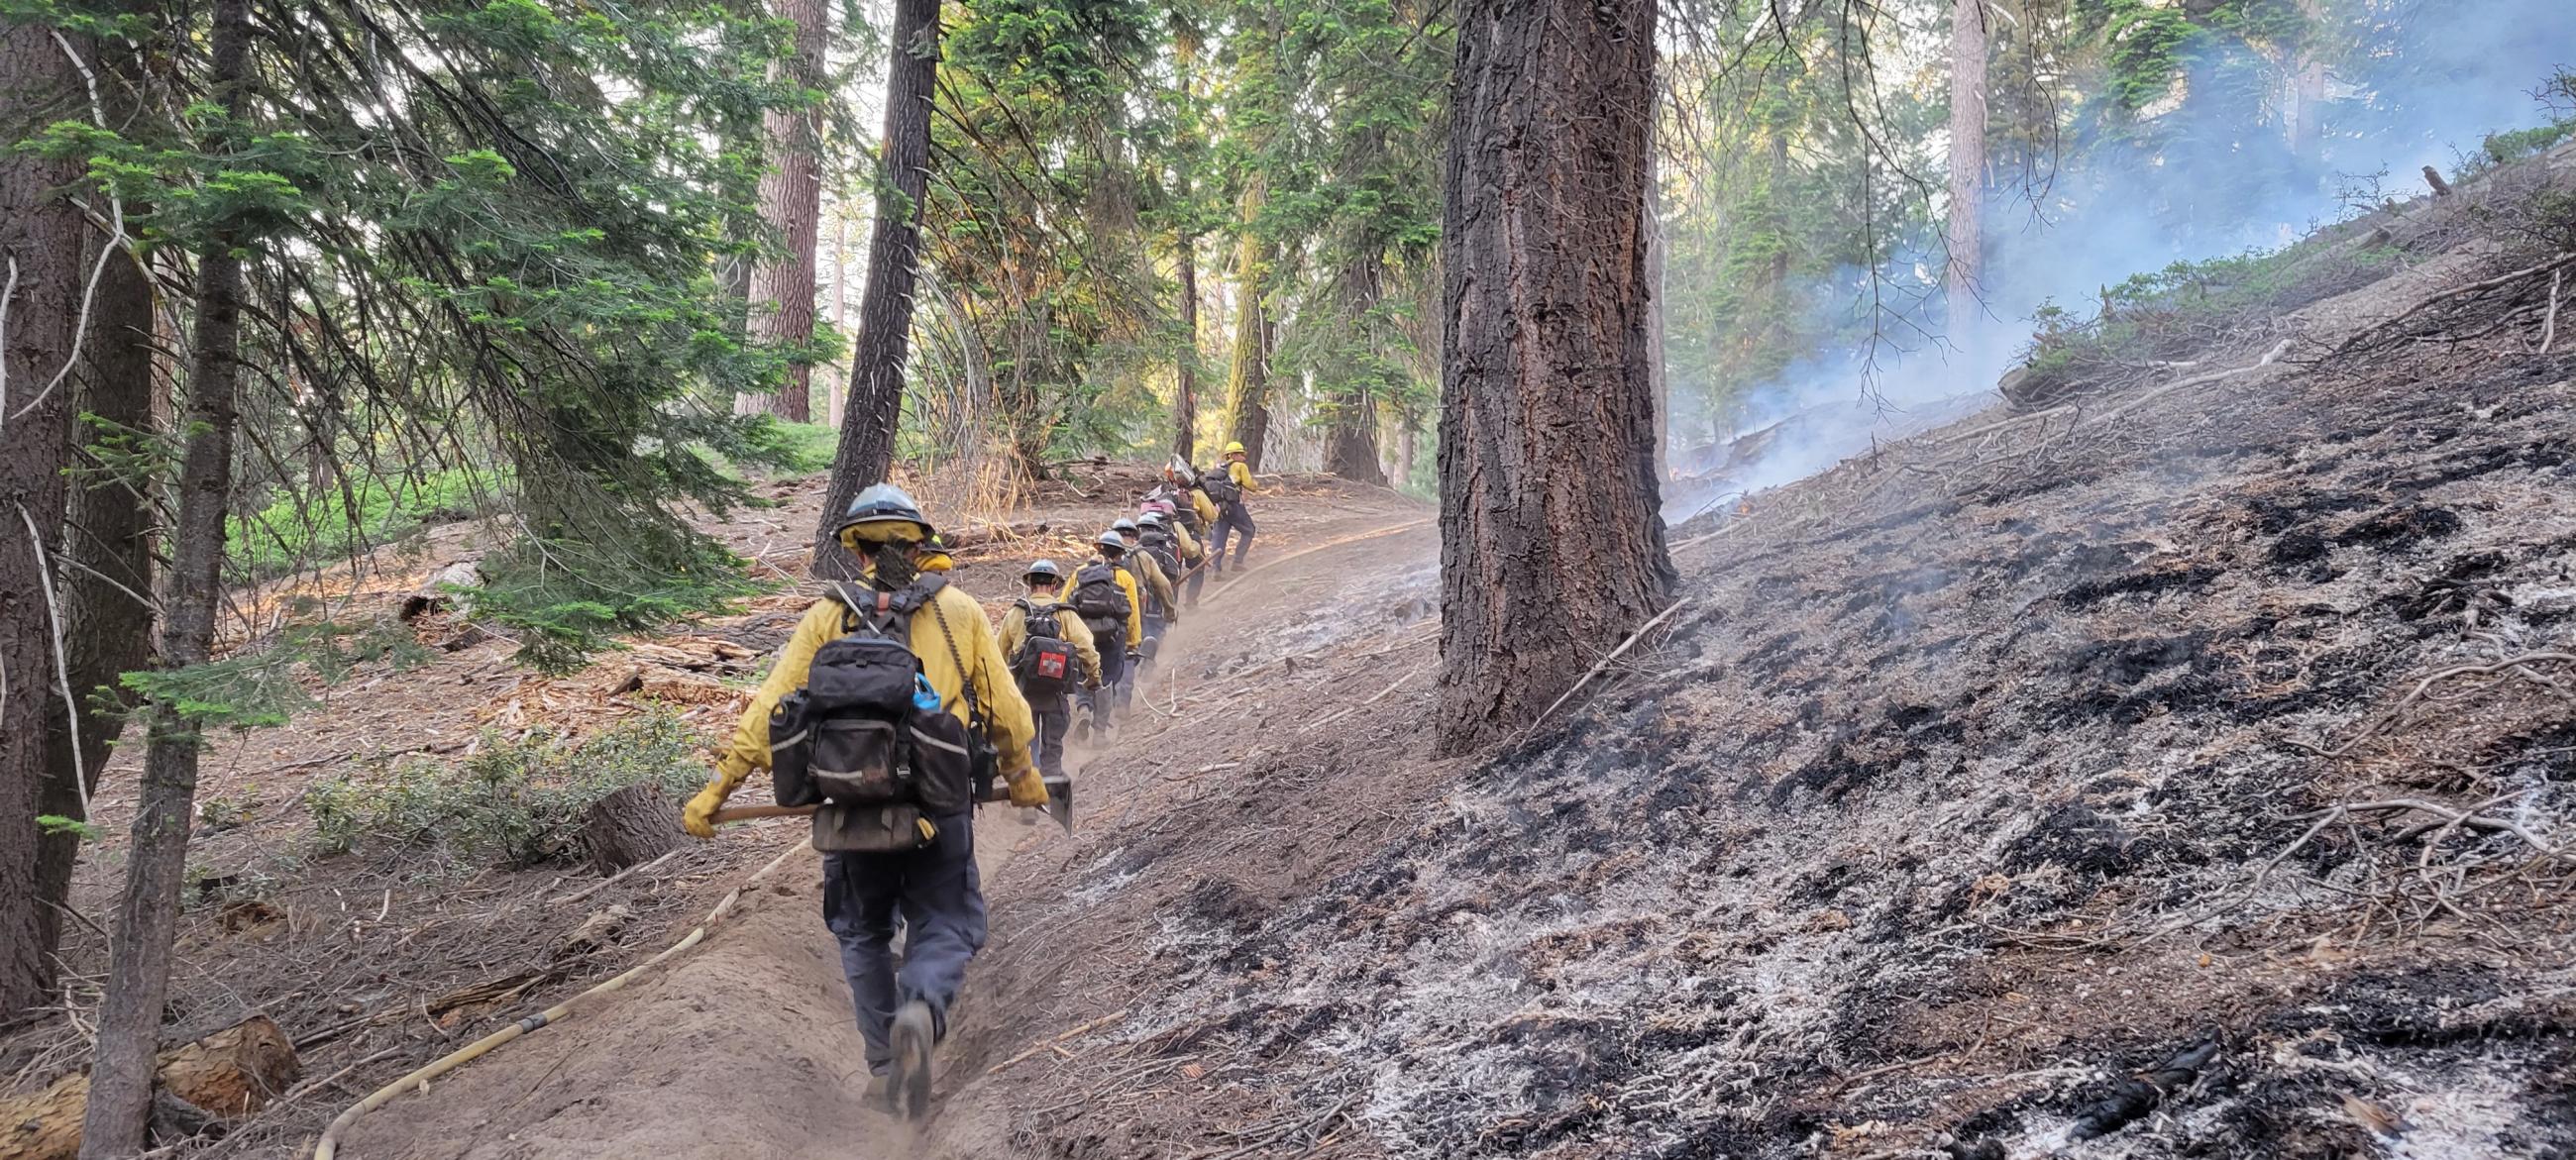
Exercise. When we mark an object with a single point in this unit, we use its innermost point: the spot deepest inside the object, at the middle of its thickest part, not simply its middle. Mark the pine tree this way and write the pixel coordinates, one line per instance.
(791, 199)
(1552, 539)
(875, 405)
(41, 278)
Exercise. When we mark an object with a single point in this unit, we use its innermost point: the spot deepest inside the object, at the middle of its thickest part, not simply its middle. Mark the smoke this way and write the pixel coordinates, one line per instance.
(2206, 170)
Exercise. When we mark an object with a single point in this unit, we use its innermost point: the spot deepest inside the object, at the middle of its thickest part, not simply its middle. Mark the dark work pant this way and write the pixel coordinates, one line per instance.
(942, 902)
(1053, 717)
(1233, 519)
(1135, 670)
(1113, 666)
(1197, 580)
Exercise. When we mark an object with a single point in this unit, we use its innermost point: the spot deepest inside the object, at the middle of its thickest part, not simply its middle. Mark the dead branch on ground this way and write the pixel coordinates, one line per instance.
(2389, 716)
(2449, 312)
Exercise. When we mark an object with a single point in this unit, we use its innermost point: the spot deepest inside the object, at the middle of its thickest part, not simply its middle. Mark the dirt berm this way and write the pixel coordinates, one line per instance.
(2184, 772)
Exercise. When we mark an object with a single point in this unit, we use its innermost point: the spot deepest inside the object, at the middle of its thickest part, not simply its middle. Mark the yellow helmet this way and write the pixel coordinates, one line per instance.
(1234, 449)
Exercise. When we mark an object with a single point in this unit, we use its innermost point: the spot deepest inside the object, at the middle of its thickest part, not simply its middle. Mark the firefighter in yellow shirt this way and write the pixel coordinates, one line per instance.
(1228, 489)
(901, 1015)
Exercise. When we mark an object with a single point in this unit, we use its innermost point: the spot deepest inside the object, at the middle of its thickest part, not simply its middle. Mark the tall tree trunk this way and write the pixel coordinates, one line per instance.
(41, 233)
(791, 201)
(1185, 392)
(138, 982)
(1350, 438)
(1657, 382)
(107, 626)
(2308, 84)
(1247, 381)
(1967, 160)
(1547, 466)
(1408, 435)
(831, 408)
(875, 404)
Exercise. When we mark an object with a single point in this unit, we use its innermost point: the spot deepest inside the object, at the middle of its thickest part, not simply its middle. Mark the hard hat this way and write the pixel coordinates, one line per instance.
(1152, 520)
(1111, 540)
(1045, 568)
(1234, 449)
(1123, 526)
(885, 513)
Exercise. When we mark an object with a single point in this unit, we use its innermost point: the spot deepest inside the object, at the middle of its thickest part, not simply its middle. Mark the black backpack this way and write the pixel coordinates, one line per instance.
(1160, 546)
(1045, 664)
(1144, 591)
(1099, 600)
(857, 742)
(1220, 486)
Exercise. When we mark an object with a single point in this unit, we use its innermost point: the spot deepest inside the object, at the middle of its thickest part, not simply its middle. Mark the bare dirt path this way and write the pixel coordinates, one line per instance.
(745, 1047)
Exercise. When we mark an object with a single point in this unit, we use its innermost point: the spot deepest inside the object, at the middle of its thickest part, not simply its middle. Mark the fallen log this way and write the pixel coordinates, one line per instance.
(231, 1073)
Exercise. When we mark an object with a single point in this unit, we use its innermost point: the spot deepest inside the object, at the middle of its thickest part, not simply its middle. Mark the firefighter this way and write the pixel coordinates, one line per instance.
(1041, 633)
(1114, 608)
(1195, 515)
(1229, 489)
(902, 1013)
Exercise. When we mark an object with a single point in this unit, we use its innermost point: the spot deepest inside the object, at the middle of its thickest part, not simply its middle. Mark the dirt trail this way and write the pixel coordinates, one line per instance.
(745, 1048)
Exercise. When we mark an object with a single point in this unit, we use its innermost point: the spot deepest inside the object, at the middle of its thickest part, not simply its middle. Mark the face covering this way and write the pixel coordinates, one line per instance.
(894, 567)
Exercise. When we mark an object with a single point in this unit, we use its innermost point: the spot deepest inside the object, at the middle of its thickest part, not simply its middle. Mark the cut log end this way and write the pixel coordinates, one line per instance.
(629, 827)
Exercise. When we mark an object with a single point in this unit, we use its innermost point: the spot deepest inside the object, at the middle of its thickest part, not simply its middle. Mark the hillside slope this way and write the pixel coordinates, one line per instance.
(2182, 772)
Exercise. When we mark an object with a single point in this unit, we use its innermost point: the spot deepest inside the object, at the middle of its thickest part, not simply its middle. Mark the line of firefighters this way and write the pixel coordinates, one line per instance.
(895, 706)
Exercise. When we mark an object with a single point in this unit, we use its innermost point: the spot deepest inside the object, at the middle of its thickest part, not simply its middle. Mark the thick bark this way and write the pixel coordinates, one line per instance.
(1552, 547)
(1350, 438)
(1967, 159)
(875, 403)
(107, 627)
(1247, 380)
(1185, 393)
(129, 1019)
(41, 236)
(629, 827)
(791, 200)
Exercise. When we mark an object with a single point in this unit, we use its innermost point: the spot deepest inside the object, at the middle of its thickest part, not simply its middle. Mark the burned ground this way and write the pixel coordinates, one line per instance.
(1984, 802)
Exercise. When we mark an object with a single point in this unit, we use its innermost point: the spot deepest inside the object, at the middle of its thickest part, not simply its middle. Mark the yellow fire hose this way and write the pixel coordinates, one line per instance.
(329, 1145)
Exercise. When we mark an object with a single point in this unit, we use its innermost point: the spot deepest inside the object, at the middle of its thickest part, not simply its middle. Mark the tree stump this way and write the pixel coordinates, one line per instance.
(229, 1074)
(631, 826)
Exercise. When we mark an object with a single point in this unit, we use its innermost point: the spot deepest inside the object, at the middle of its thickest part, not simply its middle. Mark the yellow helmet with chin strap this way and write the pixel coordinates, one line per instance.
(1234, 449)
(884, 514)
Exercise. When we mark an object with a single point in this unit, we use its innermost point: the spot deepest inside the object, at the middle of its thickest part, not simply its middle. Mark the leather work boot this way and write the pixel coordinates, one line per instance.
(908, 1083)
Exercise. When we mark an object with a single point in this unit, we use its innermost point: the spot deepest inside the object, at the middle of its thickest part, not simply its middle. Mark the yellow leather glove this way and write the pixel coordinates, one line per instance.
(699, 816)
(1028, 790)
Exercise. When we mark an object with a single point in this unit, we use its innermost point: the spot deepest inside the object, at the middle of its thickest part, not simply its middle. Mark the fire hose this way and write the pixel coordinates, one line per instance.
(327, 1148)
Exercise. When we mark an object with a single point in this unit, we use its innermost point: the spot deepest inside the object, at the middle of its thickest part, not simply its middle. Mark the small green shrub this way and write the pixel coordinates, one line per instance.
(221, 812)
(566, 599)
(808, 447)
(514, 803)
(304, 529)
(2183, 308)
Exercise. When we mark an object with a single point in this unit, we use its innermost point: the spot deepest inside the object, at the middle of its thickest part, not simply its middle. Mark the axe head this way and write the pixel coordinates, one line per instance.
(1060, 803)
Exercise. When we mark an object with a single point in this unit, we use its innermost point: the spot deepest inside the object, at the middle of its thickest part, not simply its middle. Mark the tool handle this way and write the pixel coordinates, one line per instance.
(748, 813)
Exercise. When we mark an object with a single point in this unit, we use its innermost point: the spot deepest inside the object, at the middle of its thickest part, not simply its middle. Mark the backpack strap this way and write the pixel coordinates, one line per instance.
(965, 680)
(854, 609)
